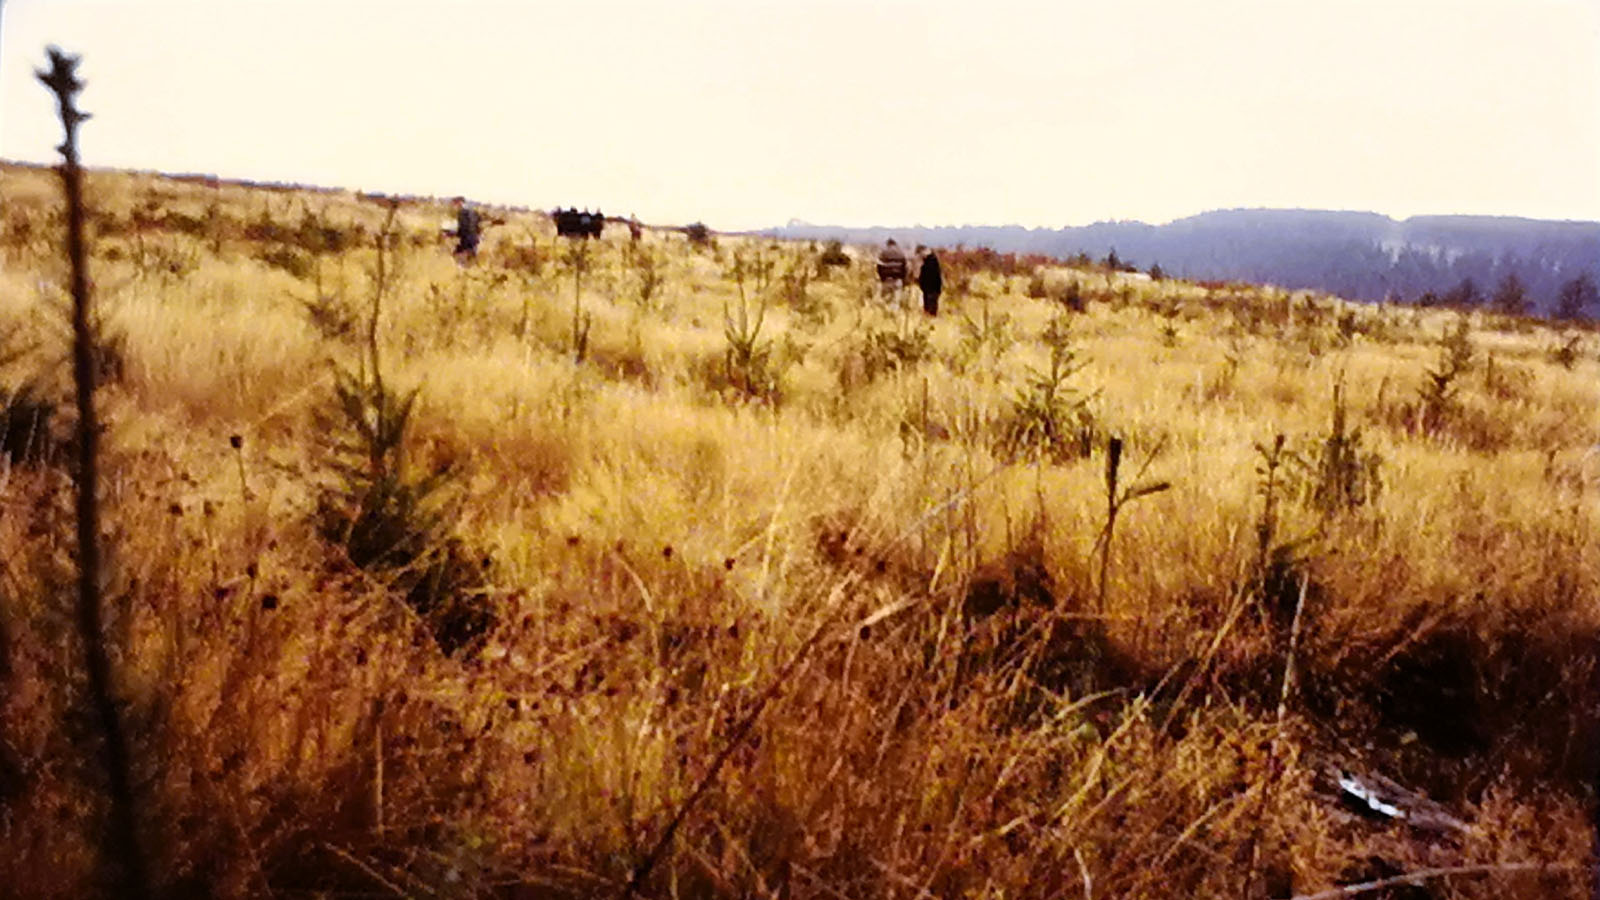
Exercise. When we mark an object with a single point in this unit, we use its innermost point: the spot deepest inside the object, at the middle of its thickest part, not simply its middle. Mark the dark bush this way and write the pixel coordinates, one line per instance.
(833, 256)
(290, 260)
(25, 416)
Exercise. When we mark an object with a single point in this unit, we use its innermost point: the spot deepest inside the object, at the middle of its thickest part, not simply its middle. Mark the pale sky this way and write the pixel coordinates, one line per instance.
(744, 113)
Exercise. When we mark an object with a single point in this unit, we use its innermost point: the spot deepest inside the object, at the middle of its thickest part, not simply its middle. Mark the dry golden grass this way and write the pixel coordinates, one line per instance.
(977, 716)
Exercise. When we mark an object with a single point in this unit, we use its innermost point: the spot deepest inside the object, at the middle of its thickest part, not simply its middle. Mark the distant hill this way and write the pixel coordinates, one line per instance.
(1361, 255)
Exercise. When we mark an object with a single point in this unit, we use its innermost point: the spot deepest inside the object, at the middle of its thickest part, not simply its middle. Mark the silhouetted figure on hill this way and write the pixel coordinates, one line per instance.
(570, 223)
(931, 279)
(892, 268)
(469, 231)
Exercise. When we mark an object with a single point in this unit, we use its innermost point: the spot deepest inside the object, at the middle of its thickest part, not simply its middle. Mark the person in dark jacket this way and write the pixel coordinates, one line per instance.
(931, 280)
(469, 229)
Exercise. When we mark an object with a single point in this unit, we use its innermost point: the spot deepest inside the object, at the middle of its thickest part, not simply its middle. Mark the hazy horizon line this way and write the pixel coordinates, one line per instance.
(797, 221)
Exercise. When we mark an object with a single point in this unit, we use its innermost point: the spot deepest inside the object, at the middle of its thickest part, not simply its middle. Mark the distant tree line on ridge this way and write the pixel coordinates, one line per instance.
(1520, 265)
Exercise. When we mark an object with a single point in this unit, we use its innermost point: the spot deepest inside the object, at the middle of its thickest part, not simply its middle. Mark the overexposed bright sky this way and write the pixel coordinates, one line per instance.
(744, 113)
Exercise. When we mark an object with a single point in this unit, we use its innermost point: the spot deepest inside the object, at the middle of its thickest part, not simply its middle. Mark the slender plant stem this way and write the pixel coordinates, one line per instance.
(122, 845)
(1267, 805)
(740, 731)
(1113, 463)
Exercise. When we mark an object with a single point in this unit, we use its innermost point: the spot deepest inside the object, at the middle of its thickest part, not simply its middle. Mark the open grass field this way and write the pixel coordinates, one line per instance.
(697, 567)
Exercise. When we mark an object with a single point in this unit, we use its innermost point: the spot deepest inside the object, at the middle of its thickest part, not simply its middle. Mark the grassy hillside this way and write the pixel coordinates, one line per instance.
(699, 566)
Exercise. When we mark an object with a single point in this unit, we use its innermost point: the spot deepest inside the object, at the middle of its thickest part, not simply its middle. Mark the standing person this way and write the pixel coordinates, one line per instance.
(892, 270)
(469, 229)
(931, 280)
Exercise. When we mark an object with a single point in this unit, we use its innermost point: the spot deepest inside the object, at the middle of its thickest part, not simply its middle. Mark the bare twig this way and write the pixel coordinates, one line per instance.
(1274, 751)
(366, 869)
(1083, 871)
(579, 261)
(122, 846)
(1287, 689)
(382, 275)
(1420, 875)
(377, 766)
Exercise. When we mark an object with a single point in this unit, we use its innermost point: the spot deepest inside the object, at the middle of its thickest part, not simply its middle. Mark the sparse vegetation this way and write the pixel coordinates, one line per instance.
(578, 259)
(650, 588)
(649, 272)
(887, 349)
(748, 359)
(1344, 474)
(1047, 417)
(393, 522)
(794, 292)
(1437, 400)
(985, 336)
(1566, 353)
